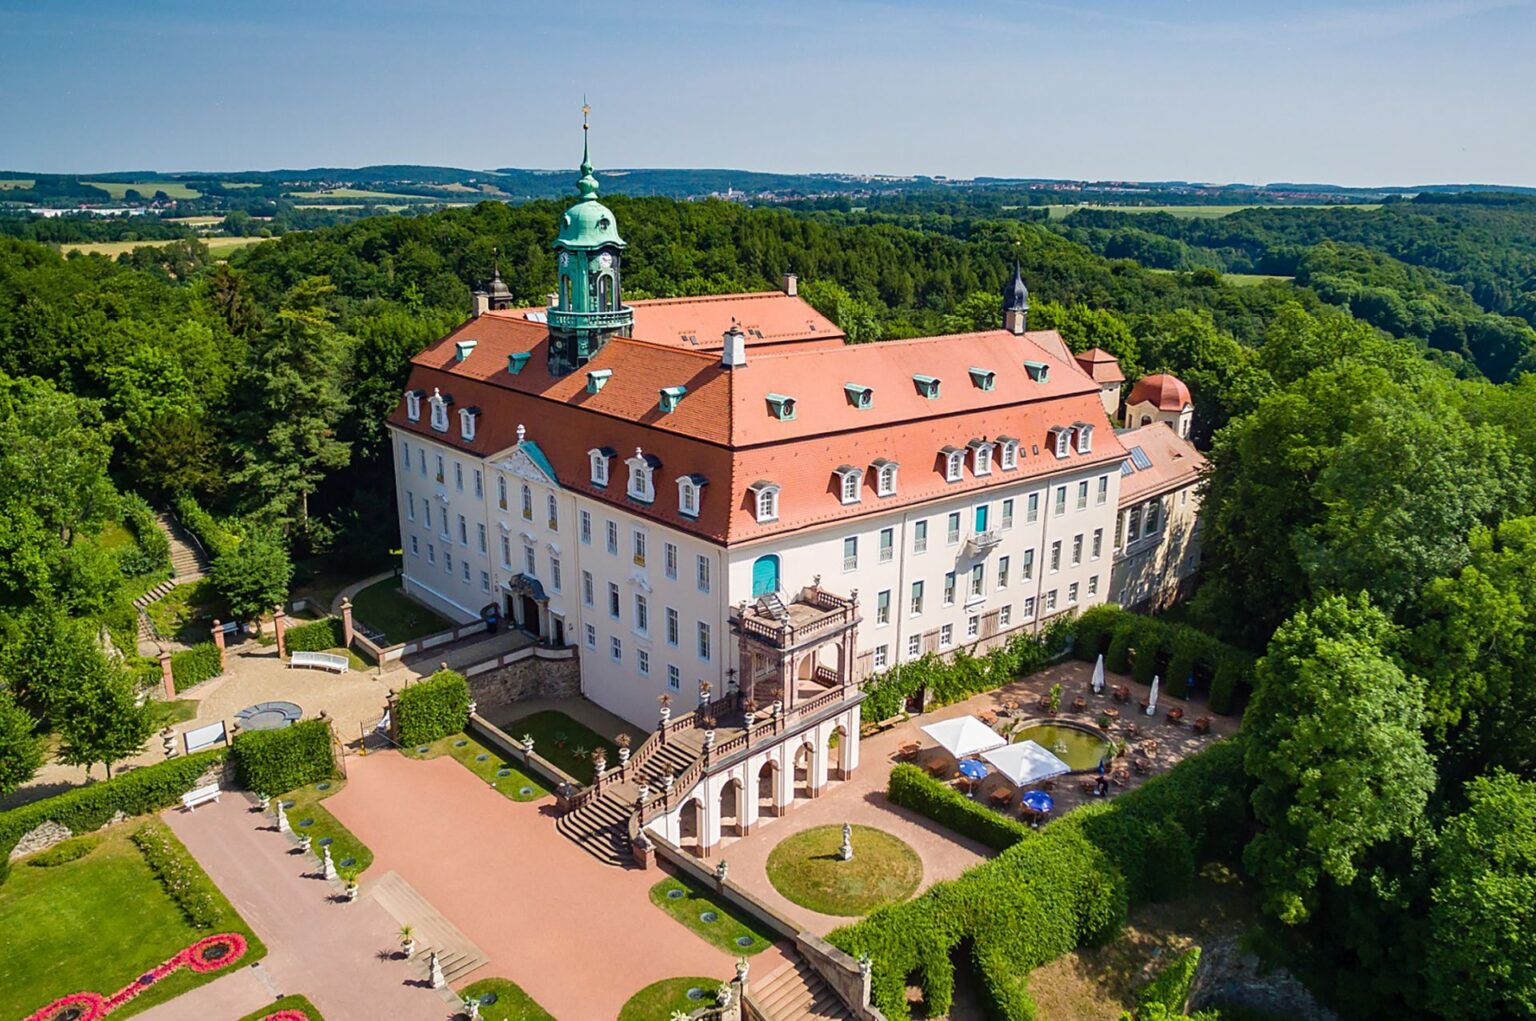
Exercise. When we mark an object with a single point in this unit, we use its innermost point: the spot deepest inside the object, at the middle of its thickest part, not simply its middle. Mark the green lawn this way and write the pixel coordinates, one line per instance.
(484, 762)
(94, 925)
(307, 805)
(691, 905)
(502, 1000)
(114, 536)
(805, 868)
(383, 607)
(299, 1003)
(117, 189)
(563, 741)
(186, 611)
(164, 714)
(657, 1001)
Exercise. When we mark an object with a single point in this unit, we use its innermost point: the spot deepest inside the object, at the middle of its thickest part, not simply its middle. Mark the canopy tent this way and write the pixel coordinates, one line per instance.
(1026, 763)
(964, 736)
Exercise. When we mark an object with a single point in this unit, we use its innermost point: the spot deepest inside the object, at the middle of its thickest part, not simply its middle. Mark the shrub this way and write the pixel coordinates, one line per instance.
(89, 808)
(216, 539)
(316, 636)
(151, 553)
(275, 761)
(184, 882)
(1095, 628)
(253, 576)
(1140, 645)
(1118, 658)
(1169, 991)
(195, 665)
(1232, 669)
(1151, 647)
(912, 788)
(435, 708)
(64, 853)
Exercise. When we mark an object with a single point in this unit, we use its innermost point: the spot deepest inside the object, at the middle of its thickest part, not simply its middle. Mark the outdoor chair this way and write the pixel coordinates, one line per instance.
(1202, 725)
(908, 751)
(1142, 766)
(1175, 715)
(1080, 703)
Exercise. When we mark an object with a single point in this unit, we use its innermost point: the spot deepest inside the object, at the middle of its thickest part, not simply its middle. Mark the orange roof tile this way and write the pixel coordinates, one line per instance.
(1175, 462)
(1166, 392)
(769, 318)
(1101, 366)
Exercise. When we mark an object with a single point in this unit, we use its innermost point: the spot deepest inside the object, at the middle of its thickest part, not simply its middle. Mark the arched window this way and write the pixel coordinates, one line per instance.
(527, 503)
(565, 293)
(605, 295)
(1146, 419)
(554, 512)
(887, 480)
(954, 470)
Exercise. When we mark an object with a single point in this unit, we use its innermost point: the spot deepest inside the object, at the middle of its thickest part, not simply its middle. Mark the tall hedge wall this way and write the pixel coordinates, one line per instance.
(1147, 646)
(316, 636)
(277, 761)
(195, 665)
(1070, 884)
(434, 708)
(83, 809)
(151, 553)
(216, 539)
(912, 788)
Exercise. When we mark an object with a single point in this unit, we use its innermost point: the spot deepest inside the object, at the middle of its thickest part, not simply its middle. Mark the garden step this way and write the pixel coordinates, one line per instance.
(797, 993)
(457, 954)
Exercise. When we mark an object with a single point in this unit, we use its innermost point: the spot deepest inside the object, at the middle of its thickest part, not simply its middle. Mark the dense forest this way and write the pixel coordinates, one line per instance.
(1370, 515)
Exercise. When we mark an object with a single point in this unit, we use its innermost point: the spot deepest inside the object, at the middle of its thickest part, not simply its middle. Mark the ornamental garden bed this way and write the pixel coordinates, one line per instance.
(709, 918)
(289, 1008)
(657, 1001)
(503, 1000)
(486, 763)
(102, 933)
(351, 855)
(807, 869)
(563, 741)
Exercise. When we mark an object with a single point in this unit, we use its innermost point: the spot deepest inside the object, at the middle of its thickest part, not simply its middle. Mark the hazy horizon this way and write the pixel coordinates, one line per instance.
(1389, 94)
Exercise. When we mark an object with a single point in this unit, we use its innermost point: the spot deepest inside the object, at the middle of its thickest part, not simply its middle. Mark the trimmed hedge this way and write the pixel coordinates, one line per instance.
(216, 539)
(1169, 991)
(195, 665)
(912, 788)
(151, 554)
(434, 708)
(1069, 885)
(84, 809)
(277, 761)
(957, 679)
(316, 636)
(1134, 644)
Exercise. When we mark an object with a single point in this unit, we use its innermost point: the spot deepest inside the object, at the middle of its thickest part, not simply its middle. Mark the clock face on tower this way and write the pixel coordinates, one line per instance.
(605, 260)
(565, 258)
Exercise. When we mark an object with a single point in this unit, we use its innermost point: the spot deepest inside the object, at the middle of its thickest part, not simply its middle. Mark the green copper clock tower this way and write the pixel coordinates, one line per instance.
(587, 309)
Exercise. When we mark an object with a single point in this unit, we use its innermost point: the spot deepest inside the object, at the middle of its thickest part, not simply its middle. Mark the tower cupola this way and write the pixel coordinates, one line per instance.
(1016, 303)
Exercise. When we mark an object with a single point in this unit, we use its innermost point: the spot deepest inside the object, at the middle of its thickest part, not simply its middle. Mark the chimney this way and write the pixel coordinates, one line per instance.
(790, 284)
(480, 304)
(734, 354)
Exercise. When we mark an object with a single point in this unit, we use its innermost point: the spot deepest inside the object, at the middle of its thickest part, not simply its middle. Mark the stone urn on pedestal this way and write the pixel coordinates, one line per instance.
(666, 710)
(407, 940)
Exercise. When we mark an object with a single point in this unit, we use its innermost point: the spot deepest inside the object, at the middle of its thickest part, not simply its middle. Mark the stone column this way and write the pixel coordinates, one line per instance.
(279, 623)
(166, 677)
(346, 623)
(218, 639)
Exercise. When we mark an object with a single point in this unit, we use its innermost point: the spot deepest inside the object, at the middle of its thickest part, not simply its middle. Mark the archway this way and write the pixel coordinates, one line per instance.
(768, 789)
(765, 575)
(690, 826)
(731, 808)
(805, 758)
(837, 752)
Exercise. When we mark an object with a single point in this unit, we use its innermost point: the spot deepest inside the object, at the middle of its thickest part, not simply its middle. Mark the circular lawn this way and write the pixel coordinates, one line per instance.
(657, 1001)
(806, 869)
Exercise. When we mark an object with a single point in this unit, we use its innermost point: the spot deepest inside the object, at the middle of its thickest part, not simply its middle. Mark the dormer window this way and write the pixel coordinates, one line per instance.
(849, 479)
(983, 379)
(642, 476)
(516, 360)
(689, 492)
(981, 457)
(671, 396)
(1061, 440)
(597, 379)
(861, 397)
(1038, 371)
(781, 407)
(954, 463)
(467, 419)
(413, 404)
(927, 386)
(885, 477)
(1008, 452)
(1084, 437)
(440, 402)
(462, 349)
(601, 458)
(765, 501)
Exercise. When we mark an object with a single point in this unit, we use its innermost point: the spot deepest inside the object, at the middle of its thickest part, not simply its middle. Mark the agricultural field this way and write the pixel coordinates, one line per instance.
(1061, 212)
(355, 193)
(1235, 279)
(15, 182)
(217, 247)
(117, 189)
(195, 221)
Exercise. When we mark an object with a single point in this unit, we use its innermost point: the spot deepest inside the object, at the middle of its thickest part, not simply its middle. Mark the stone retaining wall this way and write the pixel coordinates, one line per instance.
(531, 677)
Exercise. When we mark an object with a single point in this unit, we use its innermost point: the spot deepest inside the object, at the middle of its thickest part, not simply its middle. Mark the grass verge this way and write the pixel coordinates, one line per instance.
(502, 1000)
(693, 907)
(306, 804)
(657, 1001)
(484, 762)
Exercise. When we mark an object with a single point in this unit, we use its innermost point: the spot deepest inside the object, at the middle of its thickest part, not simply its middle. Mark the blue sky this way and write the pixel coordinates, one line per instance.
(1382, 92)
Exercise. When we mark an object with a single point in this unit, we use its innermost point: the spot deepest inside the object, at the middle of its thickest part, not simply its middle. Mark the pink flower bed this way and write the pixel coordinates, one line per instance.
(287, 1015)
(206, 955)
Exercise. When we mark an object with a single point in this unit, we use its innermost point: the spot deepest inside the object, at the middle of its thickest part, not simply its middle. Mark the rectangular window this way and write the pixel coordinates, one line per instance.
(1050, 601)
(1077, 549)
(1103, 494)
(1029, 608)
(421, 461)
(914, 646)
(552, 512)
(1093, 585)
(1061, 500)
(952, 529)
(464, 567)
(616, 648)
(882, 655)
(613, 600)
(1133, 528)
(917, 598)
(415, 547)
(669, 558)
(1154, 513)
(479, 484)
(1032, 508)
(501, 491)
(426, 510)
(506, 552)
(946, 636)
(458, 476)
(485, 581)
(410, 505)
(405, 454)
(642, 614)
(671, 626)
(1082, 494)
(972, 626)
(1007, 517)
(643, 662)
(586, 587)
(949, 589)
(978, 581)
(1027, 568)
(704, 648)
(448, 561)
(703, 573)
(463, 531)
(1055, 556)
(1098, 542)
(613, 537)
(554, 574)
(639, 548)
(887, 545)
(591, 635)
(674, 677)
(1004, 616)
(431, 554)
(883, 607)
(1119, 530)
(480, 535)
(439, 467)
(586, 528)
(1002, 572)
(1072, 594)
(919, 536)
(851, 553)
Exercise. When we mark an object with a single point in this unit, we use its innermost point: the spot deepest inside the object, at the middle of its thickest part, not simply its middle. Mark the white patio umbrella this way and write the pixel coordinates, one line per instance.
(964, 736)
(1152, 698)
(1098, 676)
(1025, 763)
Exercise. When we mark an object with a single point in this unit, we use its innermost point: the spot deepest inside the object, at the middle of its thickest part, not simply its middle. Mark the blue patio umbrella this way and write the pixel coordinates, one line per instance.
(973, 769)
(1037, 801)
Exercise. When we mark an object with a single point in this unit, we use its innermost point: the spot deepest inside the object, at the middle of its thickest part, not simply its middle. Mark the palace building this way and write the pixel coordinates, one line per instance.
(721, 491)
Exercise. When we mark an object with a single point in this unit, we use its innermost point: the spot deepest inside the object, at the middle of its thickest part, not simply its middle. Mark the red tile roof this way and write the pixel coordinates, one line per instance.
(1166, 392)
(1100, 365)
(1175, 462)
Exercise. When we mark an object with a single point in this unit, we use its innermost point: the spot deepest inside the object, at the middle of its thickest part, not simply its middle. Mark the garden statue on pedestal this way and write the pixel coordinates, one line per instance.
(846, 851)
(328, 867)
(435, 972)
(283, 825)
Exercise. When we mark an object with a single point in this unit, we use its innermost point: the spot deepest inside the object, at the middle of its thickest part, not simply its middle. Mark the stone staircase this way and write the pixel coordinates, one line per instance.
(600, 827)
(455, 952)
(188, 562)
(797, 993)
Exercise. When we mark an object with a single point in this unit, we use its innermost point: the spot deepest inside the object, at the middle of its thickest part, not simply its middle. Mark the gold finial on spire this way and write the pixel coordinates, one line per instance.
(586, 108)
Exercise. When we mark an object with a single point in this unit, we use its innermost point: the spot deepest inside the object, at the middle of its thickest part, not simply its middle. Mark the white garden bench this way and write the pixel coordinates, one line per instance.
(320, 661)
(200, 796)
